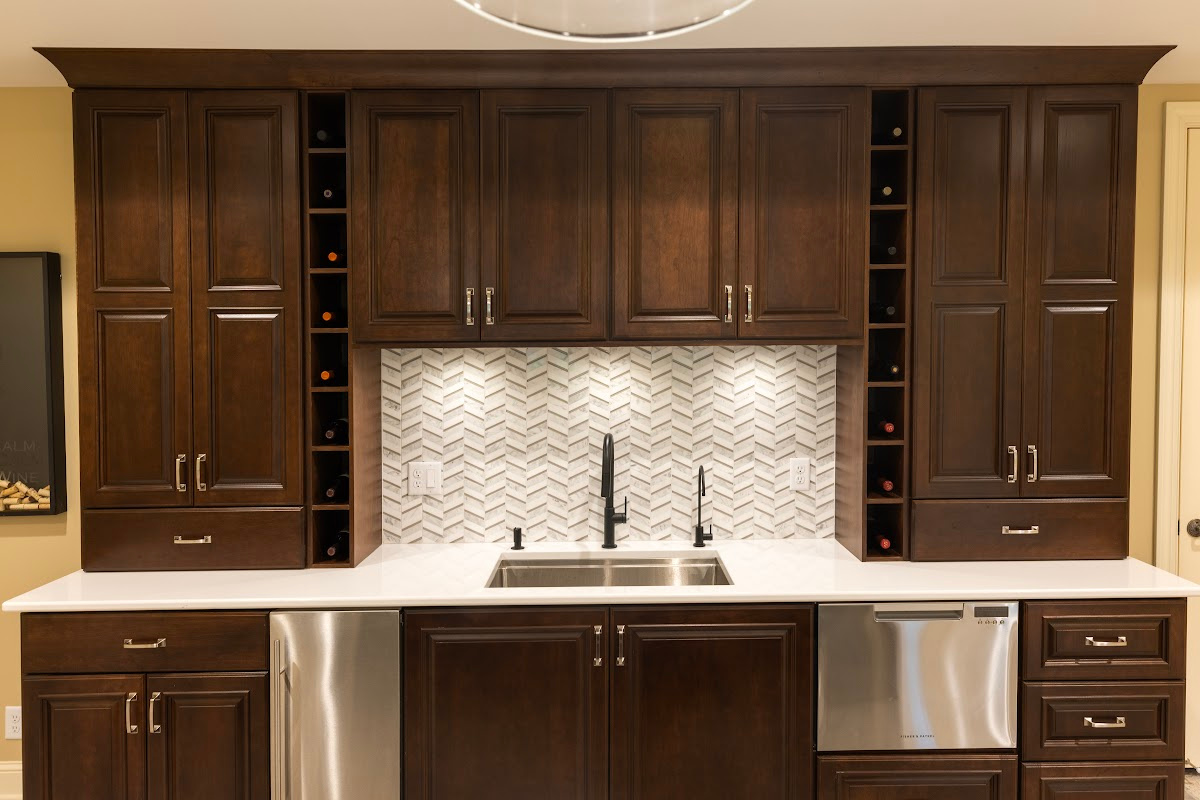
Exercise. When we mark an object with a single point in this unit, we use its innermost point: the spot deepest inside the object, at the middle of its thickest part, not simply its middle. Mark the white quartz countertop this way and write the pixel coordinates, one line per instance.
(762, 571)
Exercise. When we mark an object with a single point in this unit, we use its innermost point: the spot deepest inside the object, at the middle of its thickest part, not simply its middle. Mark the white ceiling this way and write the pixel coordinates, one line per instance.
(442, 24)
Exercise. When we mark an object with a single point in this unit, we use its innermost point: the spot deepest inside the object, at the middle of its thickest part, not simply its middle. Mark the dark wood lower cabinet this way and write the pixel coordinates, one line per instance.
(1102, 781)
(917, 777)
(712, 703)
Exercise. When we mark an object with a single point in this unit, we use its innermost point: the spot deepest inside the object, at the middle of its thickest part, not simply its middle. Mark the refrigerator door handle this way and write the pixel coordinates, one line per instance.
(279, 789)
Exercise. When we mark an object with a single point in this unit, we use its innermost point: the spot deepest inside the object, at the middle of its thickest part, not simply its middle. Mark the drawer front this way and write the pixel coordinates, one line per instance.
(234, 641)
(132, 540)
(928, 777)
(1102, 781)
(1102, 721)
(1019, 530)
(1096, 640)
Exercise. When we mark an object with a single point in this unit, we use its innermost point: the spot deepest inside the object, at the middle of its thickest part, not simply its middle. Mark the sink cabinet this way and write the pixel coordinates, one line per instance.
(929, 777)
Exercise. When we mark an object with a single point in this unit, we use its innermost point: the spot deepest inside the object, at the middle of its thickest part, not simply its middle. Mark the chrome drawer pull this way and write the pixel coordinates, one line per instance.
(620, 645)
(729, 304)
(1032, 476)
(180, 464)
(1007, 531)
(1119, 722)
(157, 644)
(1120, 641)
(1012, 473)
(598, 660)
(470, 306)
(200, 484)
(488, 317)
(193, 540)
(749, 303)
(154, 726)
(130, 699)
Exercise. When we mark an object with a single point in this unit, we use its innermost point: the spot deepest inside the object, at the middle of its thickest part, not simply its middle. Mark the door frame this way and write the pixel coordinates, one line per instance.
(1181, 118)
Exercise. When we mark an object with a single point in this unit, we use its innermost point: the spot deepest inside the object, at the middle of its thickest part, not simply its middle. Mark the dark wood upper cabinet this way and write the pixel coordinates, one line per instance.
(506, 704)
(84, 737)
(674, 201)
(712, 703)
(544, 246)
(135, 365)
(804, 189)
(969, 296)
(207, 737)
(415, 216)
(1078, 308)
(246, 318)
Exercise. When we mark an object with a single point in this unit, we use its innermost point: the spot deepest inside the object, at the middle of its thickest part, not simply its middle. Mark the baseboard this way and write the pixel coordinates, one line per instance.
(10, 780)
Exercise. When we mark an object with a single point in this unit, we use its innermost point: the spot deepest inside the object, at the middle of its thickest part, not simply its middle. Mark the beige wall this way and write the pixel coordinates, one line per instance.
(36, 213)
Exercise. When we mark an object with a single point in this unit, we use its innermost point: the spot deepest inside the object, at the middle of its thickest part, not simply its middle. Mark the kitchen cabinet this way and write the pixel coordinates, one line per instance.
(1102, 781)
(415, 216)
(190, 359)
(544, 214)
(712, 702)
(930, 777)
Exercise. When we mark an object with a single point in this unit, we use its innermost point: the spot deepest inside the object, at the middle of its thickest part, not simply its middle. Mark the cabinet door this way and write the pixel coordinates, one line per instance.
(544, 220)
(246, 318)
(84, 737)
(1102, 781)
(969, 292)
(674, 213)
(1079, 291)
(506, 705)
(208, 736)
(803, 217)
(712, 703)
(414, 216)
(135, 371)
(915, 775)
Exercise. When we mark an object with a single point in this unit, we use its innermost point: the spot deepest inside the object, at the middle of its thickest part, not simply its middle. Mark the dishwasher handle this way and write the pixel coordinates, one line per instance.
(918, 612)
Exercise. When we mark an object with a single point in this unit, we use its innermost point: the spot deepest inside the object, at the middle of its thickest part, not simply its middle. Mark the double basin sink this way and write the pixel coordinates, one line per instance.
(513, 573)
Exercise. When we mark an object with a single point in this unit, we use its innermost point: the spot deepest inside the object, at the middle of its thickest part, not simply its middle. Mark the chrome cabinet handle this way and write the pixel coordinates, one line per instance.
(154, 726)
(470, 306)
(749, 303)
(1007, 531)
(156, 644)
(1090, 722)
(130, 727)
(598, 659)
(488, 294)
(201, 486)
(620, 645)
(1033, 473)
(1012, 472)
(193, 540)
(729, 304)
(180, 462)
(1092, 641)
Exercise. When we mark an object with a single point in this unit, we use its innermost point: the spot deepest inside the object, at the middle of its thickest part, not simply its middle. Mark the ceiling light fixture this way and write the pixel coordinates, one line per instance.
(605, 20)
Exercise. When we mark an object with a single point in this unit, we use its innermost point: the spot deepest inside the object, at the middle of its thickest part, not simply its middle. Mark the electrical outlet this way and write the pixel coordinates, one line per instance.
(799, 468)
(425, 477)
(12, 722)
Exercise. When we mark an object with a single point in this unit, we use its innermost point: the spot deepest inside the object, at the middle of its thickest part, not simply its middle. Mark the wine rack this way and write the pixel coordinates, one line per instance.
(888, 349)
(343, 407)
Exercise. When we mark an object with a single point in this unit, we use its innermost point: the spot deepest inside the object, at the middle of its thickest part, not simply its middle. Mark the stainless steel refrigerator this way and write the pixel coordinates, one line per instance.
(335, 705)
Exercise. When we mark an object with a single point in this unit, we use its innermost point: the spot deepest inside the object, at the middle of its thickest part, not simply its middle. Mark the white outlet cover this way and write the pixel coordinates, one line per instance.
(425, 477)
(799, 469)
(12, 722)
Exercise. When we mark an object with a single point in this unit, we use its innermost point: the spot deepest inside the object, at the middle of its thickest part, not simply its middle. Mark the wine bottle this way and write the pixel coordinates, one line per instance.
(881, 424)
(324, 136)
(331, 197)
(885, 370)
(331, 319)
(881, 542)
(333, 256)
(326, 376)
(338, 490)
(884, 484)
(337, 430)
(883, 194)
(883, 312)
(339, 548)
(881, 254)
(897, 132)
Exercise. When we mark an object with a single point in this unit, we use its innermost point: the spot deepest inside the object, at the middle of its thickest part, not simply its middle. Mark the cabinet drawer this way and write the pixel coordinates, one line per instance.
(131, 540)
(1102, 781)
(908, 776)
(1003, 530)
(1096, 640)
(125, 642)
(1102, 721)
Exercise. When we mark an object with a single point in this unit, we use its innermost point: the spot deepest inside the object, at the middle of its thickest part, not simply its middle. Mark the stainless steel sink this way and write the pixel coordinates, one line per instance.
(515, 572)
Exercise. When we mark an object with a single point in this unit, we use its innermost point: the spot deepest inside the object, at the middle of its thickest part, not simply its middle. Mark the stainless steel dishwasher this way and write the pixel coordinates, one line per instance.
(917, 676)
(335, 705)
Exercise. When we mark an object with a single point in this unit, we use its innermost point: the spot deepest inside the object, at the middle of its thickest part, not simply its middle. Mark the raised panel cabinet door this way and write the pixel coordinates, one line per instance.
(84, 738)
(414, 216)
(246, 312)
(134, 320)
(712, 703)
(675, 213)
(969, 292)
(804, 186)
(506, 704)
(1162, 781)
(915, 776)
(1079, 290)
(208, 736)
(544, 240)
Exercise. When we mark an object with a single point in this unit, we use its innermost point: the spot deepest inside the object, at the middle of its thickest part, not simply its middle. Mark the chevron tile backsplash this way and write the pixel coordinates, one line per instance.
(518, 432)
